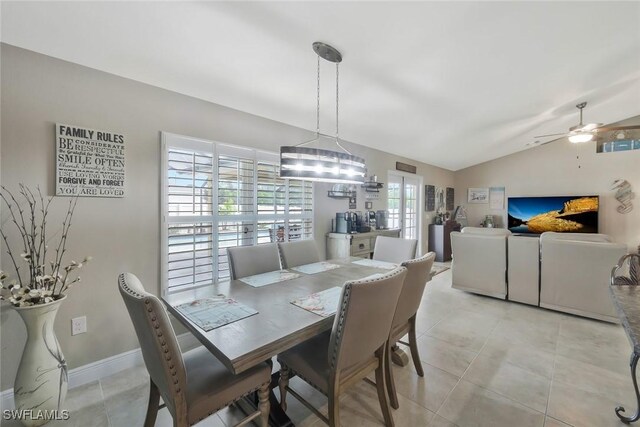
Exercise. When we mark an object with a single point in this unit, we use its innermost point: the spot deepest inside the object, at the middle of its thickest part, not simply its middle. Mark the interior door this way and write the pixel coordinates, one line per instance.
(410, 229)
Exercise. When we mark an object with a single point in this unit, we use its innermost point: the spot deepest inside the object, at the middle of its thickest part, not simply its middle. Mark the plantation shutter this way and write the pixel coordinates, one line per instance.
(217, 196)
(189, 194)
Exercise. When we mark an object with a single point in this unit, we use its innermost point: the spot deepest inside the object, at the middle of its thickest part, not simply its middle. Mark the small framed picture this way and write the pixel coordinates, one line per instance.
(352, 203)
(478, 195)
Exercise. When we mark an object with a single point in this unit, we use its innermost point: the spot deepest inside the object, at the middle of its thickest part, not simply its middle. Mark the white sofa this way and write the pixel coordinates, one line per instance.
(575, 272)
(480, 260)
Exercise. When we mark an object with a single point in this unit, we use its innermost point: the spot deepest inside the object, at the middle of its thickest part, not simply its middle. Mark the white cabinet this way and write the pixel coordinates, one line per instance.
(358, 244)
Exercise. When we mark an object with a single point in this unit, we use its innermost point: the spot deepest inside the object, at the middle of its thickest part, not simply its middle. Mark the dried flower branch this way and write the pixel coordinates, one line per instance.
(31, 223)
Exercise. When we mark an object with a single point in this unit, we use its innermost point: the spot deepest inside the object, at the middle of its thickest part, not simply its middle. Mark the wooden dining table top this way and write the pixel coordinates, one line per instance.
(278, 326)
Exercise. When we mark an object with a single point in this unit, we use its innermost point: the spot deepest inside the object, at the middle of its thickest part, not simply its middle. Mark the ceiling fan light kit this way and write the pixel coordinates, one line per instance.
(579, 136)
(316, 164)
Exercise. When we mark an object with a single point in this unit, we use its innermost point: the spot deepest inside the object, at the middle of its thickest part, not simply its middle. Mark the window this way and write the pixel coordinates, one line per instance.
(217, 196)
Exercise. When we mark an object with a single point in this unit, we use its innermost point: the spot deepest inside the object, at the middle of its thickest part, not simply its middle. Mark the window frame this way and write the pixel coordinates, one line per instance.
(217, 149)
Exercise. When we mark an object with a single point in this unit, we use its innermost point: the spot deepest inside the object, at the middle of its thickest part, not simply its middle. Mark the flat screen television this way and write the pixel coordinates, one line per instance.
(568, 214)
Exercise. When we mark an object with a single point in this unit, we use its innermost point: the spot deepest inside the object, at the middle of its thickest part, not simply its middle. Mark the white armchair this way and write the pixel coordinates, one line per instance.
(575, 273)
(480, 260)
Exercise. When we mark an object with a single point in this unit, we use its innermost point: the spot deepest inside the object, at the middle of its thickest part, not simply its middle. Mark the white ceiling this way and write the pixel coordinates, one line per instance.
(448, 83)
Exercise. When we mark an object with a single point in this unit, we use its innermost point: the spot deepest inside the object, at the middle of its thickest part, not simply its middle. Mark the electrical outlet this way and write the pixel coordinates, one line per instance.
(78, 325)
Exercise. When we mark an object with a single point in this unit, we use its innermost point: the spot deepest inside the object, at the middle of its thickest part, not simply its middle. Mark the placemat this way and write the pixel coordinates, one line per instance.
(269, 278)
(323, 303)
(376, 264)
(316, 267)
(214, 312)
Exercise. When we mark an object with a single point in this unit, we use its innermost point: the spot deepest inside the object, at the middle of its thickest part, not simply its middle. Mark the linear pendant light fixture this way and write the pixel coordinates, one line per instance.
(316, 164)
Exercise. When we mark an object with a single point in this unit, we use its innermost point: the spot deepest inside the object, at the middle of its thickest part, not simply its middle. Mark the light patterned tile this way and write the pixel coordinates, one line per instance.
(441, 354)
(471, 406)
(529, 330)
(592, 378)
(360, 408)
(429, 391)
(552, 422)
(465, 329)
(578, 407)
(510, 381)
(521, 354)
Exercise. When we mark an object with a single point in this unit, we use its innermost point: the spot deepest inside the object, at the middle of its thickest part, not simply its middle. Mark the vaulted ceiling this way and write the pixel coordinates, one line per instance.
(448, 83)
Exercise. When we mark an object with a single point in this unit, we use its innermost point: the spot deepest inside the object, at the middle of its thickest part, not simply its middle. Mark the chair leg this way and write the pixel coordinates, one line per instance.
(334, 408)
(413, 346)
(152, 407)
(382, 393)
(391, 386)
(283, 382)
(263, 404)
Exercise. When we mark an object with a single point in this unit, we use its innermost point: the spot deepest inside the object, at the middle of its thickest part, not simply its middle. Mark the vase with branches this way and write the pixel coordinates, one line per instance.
(41, 275)
(35, 291)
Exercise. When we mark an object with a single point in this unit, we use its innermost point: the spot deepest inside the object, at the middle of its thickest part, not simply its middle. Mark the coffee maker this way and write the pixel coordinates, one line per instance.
(361, 223)
(346, 222)
(370, 219)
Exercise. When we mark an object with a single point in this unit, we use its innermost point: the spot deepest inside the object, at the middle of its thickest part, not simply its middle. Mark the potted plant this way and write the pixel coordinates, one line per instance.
(39, 285)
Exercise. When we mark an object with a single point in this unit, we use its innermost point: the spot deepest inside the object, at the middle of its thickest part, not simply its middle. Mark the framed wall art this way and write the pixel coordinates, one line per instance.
(478, 195)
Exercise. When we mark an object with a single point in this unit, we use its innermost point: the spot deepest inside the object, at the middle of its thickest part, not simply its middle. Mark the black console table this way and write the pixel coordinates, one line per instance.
(626, 299)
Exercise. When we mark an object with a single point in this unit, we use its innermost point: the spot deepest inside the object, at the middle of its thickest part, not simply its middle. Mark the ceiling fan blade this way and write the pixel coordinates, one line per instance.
(608, 128)
(551, 134)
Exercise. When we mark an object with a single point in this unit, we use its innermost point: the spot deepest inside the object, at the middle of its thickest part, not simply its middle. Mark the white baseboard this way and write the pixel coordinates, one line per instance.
(103, 368)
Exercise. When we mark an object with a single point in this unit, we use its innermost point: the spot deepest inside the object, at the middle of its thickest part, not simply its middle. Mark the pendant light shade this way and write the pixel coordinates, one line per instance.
(316, 164)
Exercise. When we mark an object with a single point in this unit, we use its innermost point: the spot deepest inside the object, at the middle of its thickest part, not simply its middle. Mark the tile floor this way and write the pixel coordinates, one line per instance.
(487, 363)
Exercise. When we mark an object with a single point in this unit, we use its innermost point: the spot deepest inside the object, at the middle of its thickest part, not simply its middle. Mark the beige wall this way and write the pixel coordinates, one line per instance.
(552, 169)
(123, 234)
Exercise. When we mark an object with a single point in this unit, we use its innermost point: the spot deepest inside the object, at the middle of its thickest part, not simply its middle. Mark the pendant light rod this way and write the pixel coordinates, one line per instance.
(318, 99)
(330, 54)
(580, 107)
(316, 164)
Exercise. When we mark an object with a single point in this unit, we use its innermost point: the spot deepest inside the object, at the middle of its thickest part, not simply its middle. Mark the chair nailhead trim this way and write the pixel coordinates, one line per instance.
(343, 309)
(152, 316)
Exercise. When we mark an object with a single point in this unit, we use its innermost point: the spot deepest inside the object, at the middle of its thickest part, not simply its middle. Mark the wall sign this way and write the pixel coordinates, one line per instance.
(450, 198)
(89, 162)
(430, 198)
(404, 167)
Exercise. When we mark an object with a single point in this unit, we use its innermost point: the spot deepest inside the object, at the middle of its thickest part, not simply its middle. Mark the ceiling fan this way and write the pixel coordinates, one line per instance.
(585, 132)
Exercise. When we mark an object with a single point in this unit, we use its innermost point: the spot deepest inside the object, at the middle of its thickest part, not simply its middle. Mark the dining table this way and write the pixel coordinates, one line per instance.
(278, 324)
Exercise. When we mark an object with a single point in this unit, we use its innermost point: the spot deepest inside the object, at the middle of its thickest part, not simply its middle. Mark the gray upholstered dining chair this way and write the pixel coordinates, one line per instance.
(404, 320)
(249, 260)
(293, 254)
(393, 249)
(356, 345)
(195, 384)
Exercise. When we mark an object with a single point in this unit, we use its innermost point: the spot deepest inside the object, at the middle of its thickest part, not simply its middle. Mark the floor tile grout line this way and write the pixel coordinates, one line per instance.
(460, 379)
(508, 397)
(104, 403)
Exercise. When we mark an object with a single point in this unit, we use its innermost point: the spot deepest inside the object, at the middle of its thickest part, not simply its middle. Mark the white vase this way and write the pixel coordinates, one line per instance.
(41, 381)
